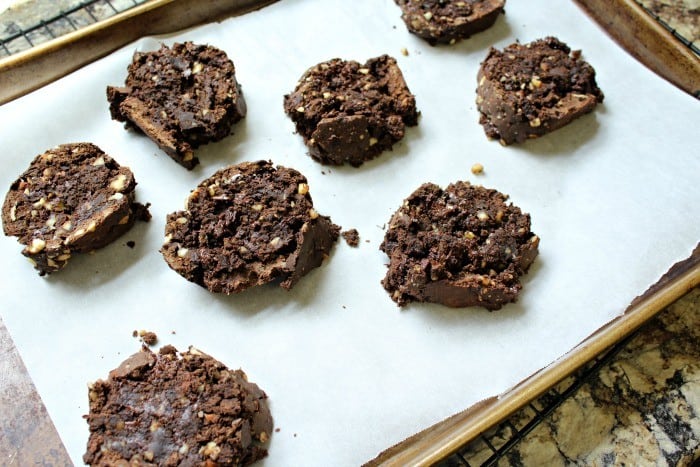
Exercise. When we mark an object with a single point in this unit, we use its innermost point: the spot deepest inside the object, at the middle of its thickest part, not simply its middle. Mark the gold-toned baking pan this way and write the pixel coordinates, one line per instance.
(40, 65)
(626, 22)
(444, 438)
(647, 40)
(29, 70)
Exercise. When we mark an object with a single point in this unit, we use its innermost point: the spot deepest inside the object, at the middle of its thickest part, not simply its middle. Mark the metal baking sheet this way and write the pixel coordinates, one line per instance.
(613, 196)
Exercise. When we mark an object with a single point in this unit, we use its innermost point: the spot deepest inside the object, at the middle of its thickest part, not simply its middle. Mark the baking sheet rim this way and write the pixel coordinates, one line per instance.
(447, 436)
(31, 69)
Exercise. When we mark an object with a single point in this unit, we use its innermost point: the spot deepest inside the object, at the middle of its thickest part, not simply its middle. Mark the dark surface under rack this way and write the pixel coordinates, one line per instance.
(694, 46)
(16, 39)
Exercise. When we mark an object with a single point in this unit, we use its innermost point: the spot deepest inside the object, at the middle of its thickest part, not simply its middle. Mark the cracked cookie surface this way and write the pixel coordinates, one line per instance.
(461, 246)
(248, 224)
(72, 199)
(350, 113)
(181, 97)
(447, 21)
(528, 90)
(176, 408)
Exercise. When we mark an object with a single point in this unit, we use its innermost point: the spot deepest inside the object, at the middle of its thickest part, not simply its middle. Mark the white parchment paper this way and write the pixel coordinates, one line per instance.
(614, 197)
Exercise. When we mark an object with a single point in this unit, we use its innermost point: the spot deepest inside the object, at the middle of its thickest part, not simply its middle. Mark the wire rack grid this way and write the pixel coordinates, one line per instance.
(15, 39)
(692, 45)
(493, 447)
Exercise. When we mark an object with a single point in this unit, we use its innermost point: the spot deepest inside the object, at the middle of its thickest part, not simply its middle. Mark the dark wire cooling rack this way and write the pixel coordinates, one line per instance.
(15, 39)
(493, 447)
(490, 448)
(694, 46)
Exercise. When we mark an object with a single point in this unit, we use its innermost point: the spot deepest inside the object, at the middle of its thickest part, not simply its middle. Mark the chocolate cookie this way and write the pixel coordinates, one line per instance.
(248, 224)
(180, 97)
(462, 246)
(71, 199)
(171, 409)
(447, 21)
(349, 112)
(528, 90)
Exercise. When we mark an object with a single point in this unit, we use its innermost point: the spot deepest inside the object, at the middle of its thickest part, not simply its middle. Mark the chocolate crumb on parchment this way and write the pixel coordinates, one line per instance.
(148, 337)
(352, 237)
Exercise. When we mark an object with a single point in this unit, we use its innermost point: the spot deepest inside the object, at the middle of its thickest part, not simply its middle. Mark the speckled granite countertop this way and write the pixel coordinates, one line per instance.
(681, 15)
(641, 408)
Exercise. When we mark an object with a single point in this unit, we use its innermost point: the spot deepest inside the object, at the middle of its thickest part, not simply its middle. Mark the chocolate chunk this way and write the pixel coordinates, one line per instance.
(71, 199)
(447, 21)
(135, 366)
(349, 112)
(528, 90)
(462, 246)
(180, 97)
(249, 224)
(176, 409)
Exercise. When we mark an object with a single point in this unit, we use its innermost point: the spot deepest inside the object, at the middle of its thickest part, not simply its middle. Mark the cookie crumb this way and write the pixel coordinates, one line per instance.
(477, 169)
(404, 51)
(147, 337)
(134, 333)
(352, 237)
(150, 338)
(131, 243)
(277, 430)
